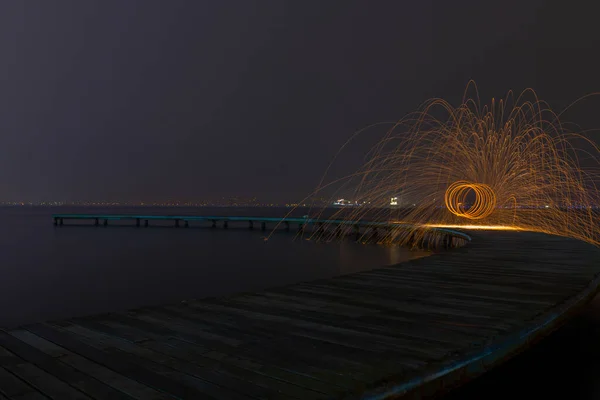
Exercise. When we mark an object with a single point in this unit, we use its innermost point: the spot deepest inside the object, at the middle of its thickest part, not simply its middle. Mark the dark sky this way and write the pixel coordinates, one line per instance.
(155, 100)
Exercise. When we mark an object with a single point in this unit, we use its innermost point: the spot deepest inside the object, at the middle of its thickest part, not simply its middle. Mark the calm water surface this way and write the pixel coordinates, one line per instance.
(57, 272)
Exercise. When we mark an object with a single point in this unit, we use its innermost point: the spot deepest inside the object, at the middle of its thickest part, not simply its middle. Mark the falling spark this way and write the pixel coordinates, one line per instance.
(508, 165)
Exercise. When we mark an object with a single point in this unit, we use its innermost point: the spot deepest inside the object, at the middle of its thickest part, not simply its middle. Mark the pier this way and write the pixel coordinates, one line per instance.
(338, 227)
(214, 221)
(411, 330)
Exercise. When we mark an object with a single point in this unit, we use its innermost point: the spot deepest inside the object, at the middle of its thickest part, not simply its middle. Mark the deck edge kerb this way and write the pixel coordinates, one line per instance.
(455, 373)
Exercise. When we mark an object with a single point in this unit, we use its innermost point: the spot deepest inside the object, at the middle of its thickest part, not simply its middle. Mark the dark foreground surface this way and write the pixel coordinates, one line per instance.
(367, 334)
(564, 365)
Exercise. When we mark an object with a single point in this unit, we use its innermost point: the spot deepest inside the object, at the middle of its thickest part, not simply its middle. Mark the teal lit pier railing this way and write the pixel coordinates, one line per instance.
(185, 220)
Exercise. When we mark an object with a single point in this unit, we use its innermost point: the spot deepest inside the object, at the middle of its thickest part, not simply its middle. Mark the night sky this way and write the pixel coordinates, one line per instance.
(186, 100)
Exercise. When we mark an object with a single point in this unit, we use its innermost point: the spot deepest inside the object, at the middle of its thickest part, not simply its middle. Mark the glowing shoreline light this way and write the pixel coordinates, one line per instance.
(509, 165)
(475, 227)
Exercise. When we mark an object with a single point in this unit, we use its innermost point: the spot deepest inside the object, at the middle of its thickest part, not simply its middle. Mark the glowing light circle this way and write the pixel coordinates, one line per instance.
(456, 199)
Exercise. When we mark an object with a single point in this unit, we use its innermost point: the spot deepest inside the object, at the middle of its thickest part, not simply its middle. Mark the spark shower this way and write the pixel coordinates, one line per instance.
(510, 164)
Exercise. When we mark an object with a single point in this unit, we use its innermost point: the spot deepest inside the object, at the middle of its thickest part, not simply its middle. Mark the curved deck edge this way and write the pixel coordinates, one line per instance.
(441, 379)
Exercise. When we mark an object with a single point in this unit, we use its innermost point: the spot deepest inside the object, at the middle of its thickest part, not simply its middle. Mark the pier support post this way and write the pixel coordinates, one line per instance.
(320, 228)
(214, 223)
(250, 225)
(96, 222)
(287, 226)
(55, 221)
(301, 228)
(60, 221)
(176, 223)
(338, 230)
(411, 240)
(137, 222)
(356, 231)
(146, 223)
(105, 222)
(225, 224)
(186, 223)
(263, 226)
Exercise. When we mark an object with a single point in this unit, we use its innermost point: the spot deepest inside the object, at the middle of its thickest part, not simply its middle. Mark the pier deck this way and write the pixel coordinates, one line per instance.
(178, 220)
(413, 329)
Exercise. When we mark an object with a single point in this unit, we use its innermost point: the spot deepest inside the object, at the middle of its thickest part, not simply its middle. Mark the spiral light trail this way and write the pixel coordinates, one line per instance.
(456, 199)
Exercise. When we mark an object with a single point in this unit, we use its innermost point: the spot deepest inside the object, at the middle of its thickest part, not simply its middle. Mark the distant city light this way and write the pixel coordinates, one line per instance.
(348, 203)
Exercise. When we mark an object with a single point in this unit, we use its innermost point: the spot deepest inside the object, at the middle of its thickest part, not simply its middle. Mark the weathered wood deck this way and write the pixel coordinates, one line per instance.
(410, 329)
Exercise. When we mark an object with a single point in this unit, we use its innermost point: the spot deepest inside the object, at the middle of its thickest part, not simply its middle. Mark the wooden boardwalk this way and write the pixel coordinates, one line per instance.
(412, 329)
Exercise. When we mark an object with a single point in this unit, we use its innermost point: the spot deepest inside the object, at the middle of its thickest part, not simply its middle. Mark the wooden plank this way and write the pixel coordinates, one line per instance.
(30, 396)
(457, 271)
(246, 381)
(273, 387)
(65, 373)
(408, 307)
(387, 326)
(144, 358)
(246, 363)
(439, 279)
(123, 384)
(47, 383)
(270, 355)
(14, 387)
(351, 339)
(388, 302)
(273, 332)
(402, 332)
(303, 356)
(405, 335)
(314, 359)
(329, 312)
(188, 389)
(218, 377)
(300, 299)
(38, 378)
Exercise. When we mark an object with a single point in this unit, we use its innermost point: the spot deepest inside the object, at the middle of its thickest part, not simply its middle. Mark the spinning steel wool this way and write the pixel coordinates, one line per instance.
(456, 198)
